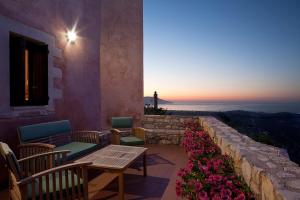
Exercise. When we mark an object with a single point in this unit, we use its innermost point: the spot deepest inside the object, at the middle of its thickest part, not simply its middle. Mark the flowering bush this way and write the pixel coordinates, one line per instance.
(208, 174)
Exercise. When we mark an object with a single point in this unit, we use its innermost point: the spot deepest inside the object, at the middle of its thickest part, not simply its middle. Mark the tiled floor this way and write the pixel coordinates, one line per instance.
(163, 163)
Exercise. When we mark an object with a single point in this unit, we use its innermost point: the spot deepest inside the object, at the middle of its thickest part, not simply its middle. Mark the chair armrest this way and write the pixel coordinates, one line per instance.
(40, 162)
(122, 133)
(55, 175)
(30, 149)
(86, 136)
(116, 131)
(139, 132)
(115, 136)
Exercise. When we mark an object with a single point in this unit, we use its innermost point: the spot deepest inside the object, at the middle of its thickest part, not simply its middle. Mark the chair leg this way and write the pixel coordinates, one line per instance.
(145, 163)
(85, 184)
(121, 186)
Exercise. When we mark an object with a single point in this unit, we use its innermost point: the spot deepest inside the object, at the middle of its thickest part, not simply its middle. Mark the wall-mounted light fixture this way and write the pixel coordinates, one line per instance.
(71, 36)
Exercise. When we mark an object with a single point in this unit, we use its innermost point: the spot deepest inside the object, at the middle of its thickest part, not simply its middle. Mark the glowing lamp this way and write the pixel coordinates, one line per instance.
(71, 36)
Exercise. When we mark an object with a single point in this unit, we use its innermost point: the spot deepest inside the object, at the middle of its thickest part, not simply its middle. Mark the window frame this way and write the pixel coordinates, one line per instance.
(38, 54)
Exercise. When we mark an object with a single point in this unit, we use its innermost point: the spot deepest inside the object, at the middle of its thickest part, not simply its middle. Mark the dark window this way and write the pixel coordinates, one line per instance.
(28, 71)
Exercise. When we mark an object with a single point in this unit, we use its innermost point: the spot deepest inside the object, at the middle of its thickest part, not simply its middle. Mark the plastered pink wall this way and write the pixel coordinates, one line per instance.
(121, 60)
(80, 64)
(92, 90)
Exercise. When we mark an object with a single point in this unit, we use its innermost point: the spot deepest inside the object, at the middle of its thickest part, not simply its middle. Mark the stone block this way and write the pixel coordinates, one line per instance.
(267, 188)
(294, 184)
(149, 119)
(282, 174)
(295, 170)
(246, 170)
(287, 195)
(150, 126)
(255, 179)
(271, 165)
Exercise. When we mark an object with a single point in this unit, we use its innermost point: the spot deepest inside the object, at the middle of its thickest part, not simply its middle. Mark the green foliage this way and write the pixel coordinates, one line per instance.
(263, 137)
(149, 110)
(223, 117)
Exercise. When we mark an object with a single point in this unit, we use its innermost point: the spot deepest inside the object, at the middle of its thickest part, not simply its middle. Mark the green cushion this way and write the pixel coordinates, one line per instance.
(10, 159)
(77, 149)
(29, 190)
(51, 189)
(43, 130)
(131, 141)
(122, 122)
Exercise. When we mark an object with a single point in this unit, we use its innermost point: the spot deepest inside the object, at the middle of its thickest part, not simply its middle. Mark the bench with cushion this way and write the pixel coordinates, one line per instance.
(56, 136)
(124, 133)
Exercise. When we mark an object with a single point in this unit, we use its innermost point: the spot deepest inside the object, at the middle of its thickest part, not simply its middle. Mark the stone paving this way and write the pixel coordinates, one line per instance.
(163, 161)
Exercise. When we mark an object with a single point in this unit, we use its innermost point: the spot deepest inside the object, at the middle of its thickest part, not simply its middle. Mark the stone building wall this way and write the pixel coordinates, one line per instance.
(269, 173)
(121, 60)
(90, 80)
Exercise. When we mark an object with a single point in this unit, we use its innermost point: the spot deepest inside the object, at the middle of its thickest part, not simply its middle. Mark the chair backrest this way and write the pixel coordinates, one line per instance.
(11, 160)
(38, 132)
(122, 122)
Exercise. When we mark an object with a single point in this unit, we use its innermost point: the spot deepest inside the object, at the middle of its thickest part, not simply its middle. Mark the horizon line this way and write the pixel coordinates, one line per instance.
(172, 99)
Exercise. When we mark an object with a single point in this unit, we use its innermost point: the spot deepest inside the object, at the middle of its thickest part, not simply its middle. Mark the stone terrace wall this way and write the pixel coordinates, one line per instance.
(165, 129)
(269, 174)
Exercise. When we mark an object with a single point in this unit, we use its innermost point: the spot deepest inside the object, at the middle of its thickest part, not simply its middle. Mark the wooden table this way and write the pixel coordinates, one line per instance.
(115, 159)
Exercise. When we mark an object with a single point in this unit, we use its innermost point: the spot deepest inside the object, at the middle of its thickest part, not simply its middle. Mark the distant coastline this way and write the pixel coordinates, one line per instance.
(224, 106)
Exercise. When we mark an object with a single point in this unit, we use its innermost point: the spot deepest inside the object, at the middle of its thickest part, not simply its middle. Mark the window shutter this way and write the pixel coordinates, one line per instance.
(17, 70)
(39, 74)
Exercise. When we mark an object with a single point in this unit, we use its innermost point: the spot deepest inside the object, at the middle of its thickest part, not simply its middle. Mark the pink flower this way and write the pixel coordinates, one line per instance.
(198, 186)
(178, 188)
(229, 184)
(208, 174)
(240, 197)
(216, 197)
(202, 196)
(190, 166)
(214, 178)
(182, 172)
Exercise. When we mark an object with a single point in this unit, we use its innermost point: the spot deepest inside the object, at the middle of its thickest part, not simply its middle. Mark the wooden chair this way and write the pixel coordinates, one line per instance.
(124, 133)
(38, 177)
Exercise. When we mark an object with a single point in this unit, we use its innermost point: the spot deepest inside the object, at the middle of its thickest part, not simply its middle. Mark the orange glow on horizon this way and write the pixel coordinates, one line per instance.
(223, 93)
(228, 97)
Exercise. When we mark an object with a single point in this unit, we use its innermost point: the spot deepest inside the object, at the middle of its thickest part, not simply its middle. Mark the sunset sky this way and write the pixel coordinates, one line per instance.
(222, 50)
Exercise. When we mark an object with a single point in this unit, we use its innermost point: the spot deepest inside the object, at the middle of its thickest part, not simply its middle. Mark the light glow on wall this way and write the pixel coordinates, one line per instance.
(72, 36)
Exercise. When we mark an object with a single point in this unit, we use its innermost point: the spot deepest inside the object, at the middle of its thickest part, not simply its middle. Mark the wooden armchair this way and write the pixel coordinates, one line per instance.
(26, 150)
(124, 133)
(38, 177)
(56, 136)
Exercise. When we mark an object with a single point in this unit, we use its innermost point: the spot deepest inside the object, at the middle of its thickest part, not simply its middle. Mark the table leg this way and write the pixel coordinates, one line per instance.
(145, 164)
(121, 186)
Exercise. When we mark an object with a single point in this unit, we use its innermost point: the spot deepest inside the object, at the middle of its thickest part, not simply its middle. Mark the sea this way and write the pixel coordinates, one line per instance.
(253, 106)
